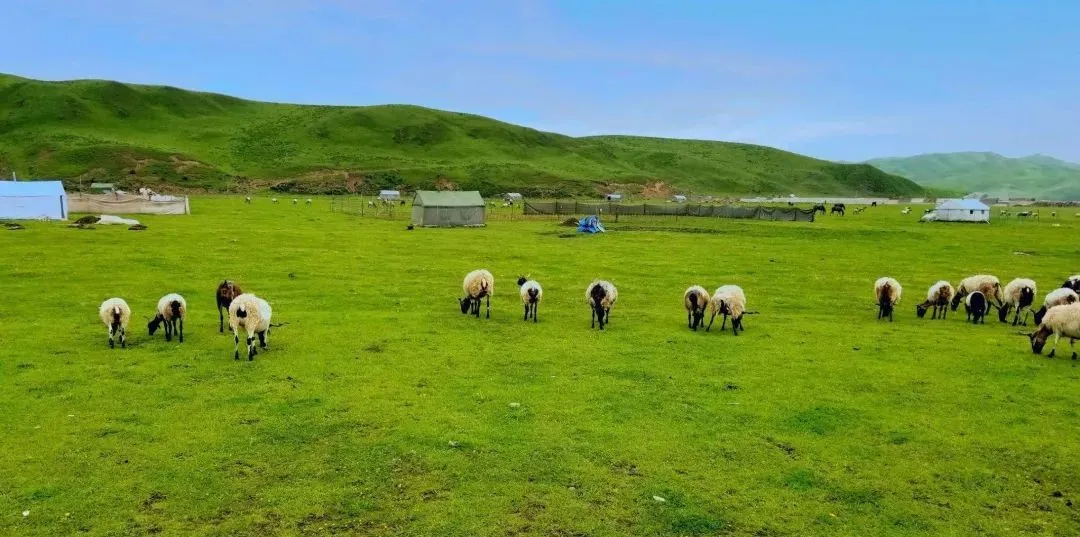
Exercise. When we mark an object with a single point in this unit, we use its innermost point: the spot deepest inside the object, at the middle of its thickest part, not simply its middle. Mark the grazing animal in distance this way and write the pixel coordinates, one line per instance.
(838, 208)
(819, 207)
(247, 199)
(531, 295)
(937, 297)
(977, 306)
(887, 293)
(116, 315)
(478, 285)
(226, 292)
(695, 300)
(601, 295)
(171, 310)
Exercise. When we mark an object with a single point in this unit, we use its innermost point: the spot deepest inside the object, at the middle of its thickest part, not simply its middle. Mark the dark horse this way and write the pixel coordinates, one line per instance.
(838, 208)
(819, 207)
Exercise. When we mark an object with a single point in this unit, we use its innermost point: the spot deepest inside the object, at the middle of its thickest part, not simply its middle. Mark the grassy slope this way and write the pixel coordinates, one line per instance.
(1034, 176)
(147, 134)
(381, 410)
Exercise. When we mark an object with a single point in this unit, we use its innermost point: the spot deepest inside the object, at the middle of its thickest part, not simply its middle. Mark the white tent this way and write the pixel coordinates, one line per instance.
(965, 210)
(389, 195)
(26, 200)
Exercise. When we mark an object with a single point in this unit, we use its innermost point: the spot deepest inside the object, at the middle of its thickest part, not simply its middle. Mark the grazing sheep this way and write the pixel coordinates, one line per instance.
(1053, 214)
(887, 293)
(247, 199)
(226, 292)
(601, 295)
(728, 300)
(907, 210)
(938, 297)
(695, 300)
(1019, 294)
(531, 295)
(859, 210)
(308, 201)
(1057, 297)
(116, 315)
(251, 313)
(1059, 321)
(171, 310)
(988, 285)
(1073, 283)
(478, 284)
(295, 201)
(976, 306)
(273, 200)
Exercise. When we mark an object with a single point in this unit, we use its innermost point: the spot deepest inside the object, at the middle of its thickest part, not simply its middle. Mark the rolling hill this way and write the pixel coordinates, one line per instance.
(170, 138)
(1036, 176)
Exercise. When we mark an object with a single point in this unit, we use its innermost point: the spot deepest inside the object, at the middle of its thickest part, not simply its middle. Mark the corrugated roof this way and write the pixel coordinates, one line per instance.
(31, 188)
(448, 198)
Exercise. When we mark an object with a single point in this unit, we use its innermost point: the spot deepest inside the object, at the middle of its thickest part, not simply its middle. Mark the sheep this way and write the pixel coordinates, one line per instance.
(171, 310)
(988, 285)
(273, 200)
(601, 295)
(1019, 294)
(308, 201)
(728, 300)
(478, 284)
(1059, 321)
(907, 210)
(977, 306)
(251, 313)
(226, 292)
(887, 293)
(295, 201)
(1053, 214)
(1073, 282)
(116, 314)
(938, 297)
(531, 295)
(1057, 297)
(695, 300)
(247, 199)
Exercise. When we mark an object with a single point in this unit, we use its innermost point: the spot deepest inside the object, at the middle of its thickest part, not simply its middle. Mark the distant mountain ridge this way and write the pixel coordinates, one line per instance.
(166, 137)
(1036, 176)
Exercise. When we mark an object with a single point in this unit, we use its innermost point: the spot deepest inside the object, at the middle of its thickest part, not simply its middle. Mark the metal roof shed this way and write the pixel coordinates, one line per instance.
(448, 208)
(31, 200)
(965, 210)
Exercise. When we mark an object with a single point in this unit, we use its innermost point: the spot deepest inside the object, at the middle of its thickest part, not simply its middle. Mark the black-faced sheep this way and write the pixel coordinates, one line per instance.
(478, 285)
(601, 295)
(171, 310)
(1057, 297)
(977, 307)
(252, 314)
(1073, 283)
(728, 300)
(887, 292)
(116, 315)
(988, 285)
(1019, 294)
(695, 300)
(1059, 321)
(226, 292)
(531, 295)
(937, 297)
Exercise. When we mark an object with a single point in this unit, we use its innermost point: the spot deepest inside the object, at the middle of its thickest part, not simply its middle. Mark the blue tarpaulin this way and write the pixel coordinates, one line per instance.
(590, 224)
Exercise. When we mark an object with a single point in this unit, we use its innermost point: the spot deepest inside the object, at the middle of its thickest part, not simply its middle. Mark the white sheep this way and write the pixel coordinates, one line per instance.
(478, 284)
(988, 285)
(247, 199)
(728, 300)
(308, 201)
(1057, 297)
(601, 295)
(695, 300)
(251, 313)
(531, 295)
(1073, 282)
(273, 200)
(907, 210)
(887, 293)
(116, 315)
(937, 297)
(171, 310)
(295, 201)
(977, 306)
(1059, 321)
(1020, 294)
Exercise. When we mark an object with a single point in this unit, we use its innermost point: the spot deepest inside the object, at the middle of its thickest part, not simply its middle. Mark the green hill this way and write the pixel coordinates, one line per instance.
(171, 138)
(1036, 176)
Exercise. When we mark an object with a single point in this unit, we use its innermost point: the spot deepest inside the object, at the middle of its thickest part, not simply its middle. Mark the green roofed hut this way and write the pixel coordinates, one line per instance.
(448, 208)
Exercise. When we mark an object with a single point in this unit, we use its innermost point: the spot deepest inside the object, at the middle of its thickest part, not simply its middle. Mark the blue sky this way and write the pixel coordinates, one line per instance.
(838, 79)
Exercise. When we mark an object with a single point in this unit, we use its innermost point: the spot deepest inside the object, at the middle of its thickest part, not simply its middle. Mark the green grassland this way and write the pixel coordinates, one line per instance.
(169, 138)
(379, 409)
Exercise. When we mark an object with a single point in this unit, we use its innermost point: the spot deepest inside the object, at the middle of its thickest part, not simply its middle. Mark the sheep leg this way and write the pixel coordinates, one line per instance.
(689, 321)
(123, 338)
(592, 318)
(236, 345)
(534, 308)
(724, 323)
(180, 322)
(711, 319)
(526, 313)
(221, 320)
(488, 306)
(168, 330)
(262, 339)
(112, 345)
(251, 345)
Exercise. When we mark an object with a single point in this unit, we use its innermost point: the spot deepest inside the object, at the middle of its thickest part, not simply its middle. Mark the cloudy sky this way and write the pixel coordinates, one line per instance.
(839, 79)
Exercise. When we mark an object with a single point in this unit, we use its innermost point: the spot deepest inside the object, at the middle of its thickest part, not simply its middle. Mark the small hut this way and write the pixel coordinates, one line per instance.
(615, 196)
(965, 210)
(448, 208)
(389, 195)
(678, 198)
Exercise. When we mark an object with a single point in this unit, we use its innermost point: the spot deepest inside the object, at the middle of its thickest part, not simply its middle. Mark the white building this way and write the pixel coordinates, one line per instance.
(965, 210)
(33, 200)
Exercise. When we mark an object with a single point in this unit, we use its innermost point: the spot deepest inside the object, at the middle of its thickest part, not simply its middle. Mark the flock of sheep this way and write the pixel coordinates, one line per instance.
(600, 296)
(1058, 317)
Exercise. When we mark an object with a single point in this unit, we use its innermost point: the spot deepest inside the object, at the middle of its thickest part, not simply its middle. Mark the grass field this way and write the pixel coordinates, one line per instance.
(379, 409)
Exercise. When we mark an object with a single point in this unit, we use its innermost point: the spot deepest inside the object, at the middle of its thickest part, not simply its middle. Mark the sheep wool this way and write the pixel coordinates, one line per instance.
(1059, 321)
(696, 301)
(1073, 282)
(478, 284)
(1019, 295)
(988, 285)
(116, 314)
(171, 311)
(1057, 297)
(937, 297)
(531, 295)
(253, 314)
(728, 300)
(887, 292)
(601, 295)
